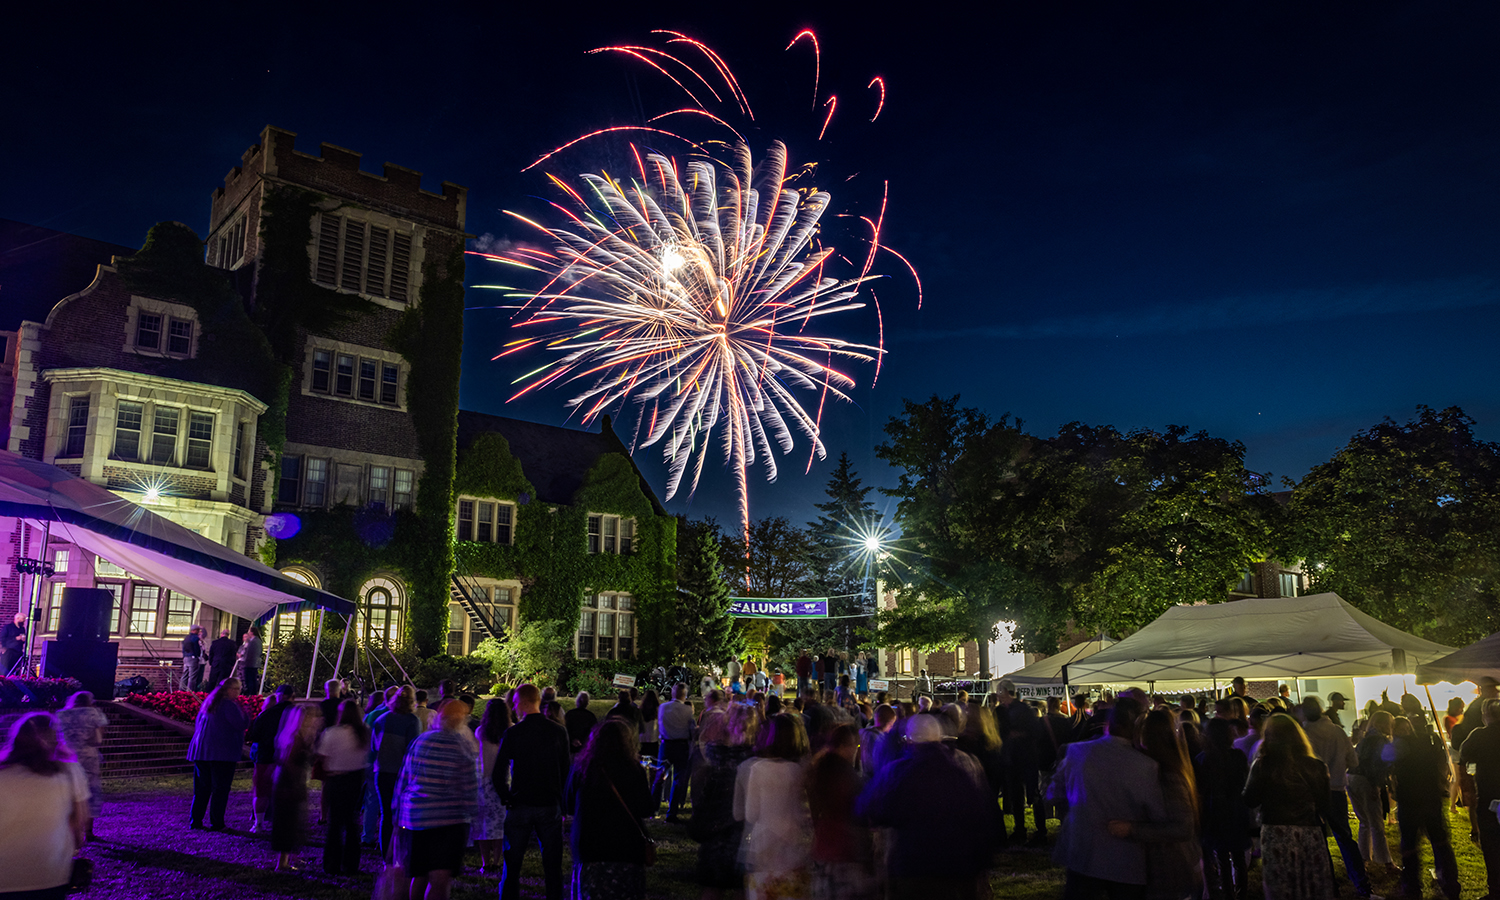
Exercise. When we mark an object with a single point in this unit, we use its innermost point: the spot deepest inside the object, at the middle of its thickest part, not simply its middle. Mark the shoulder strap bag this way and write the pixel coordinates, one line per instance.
(649, 856)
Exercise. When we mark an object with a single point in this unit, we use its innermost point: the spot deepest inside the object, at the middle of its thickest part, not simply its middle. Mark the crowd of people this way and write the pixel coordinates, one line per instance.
(828, 794)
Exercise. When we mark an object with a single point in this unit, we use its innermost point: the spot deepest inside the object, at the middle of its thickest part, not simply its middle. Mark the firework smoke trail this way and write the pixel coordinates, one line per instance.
(686, 292)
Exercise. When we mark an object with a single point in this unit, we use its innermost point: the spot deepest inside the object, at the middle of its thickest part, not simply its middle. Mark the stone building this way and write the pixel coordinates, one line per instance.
(303, 366)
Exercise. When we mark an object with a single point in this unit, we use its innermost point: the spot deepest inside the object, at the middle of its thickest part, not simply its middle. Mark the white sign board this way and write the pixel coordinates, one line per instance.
(625, 681)
(879, 684)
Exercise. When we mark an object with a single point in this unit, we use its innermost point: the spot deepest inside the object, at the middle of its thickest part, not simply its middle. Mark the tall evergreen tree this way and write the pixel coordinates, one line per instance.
(706, 634)
(840, 569)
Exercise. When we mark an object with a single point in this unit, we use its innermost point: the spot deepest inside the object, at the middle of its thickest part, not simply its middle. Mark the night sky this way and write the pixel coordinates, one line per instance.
(1275, 222)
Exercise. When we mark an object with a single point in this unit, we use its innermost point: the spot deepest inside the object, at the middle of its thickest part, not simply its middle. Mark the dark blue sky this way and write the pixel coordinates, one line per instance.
(1276, 222)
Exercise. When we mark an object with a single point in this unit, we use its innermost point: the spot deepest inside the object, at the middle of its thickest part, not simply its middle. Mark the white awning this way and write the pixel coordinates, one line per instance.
(1478, 660)
(1317, 636)
(145, 544)
(1050, 670)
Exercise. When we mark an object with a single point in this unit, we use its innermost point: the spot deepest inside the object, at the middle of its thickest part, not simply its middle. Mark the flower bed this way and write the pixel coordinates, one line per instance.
(182, 706)
(36, 693)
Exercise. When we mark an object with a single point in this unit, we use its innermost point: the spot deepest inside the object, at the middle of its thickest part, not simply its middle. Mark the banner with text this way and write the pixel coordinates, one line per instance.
(788, 608)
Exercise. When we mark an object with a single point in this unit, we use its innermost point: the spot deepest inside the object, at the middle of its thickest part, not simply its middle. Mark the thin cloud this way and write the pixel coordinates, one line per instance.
(1232, 312)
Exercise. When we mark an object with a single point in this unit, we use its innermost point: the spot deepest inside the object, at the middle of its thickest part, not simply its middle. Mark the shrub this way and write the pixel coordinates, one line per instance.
(37, 693)
(469, 673)
(183, 706)
(535, 652)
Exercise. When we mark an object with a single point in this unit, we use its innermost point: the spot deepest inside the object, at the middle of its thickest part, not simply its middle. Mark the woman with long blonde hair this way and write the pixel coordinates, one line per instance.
(1173, 854)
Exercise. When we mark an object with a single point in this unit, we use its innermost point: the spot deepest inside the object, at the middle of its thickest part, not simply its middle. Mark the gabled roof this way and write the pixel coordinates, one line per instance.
(554, 459)
(39, 266)
(1315, 636)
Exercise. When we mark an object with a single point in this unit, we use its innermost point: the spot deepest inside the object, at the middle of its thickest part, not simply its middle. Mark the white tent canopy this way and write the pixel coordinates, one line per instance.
(145, 544)
(1317, 636)
(1050, 670)
(1478, 660)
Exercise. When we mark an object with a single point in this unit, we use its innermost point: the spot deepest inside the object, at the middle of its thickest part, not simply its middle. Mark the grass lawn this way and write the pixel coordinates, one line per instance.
(145, 849)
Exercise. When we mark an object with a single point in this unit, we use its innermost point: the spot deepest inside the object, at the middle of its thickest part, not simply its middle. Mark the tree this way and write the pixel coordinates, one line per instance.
(706, 634)
(1402, 521)
(840, 569)
(950, 593)
(777, 562)
(1091, 529)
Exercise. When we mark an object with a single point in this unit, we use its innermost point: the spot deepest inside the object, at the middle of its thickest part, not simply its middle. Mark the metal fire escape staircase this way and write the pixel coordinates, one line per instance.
(466, 592)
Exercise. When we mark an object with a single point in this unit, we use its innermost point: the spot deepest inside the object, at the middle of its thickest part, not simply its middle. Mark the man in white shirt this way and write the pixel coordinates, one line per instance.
(675, 723)
(1333, 747)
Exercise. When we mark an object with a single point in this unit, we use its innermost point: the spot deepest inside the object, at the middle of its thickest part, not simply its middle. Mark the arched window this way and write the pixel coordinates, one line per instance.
(383, 600)
(290, 623)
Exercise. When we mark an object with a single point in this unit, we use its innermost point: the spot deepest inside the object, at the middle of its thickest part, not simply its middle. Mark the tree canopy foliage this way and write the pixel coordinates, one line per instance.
(1402, 522)
(705, 633)
(1092, 527)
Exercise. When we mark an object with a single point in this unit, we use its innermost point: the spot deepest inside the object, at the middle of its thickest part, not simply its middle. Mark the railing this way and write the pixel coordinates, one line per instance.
(463, 591)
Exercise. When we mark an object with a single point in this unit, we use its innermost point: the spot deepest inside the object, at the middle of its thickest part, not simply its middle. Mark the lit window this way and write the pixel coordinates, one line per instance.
(586, 625)
(611, 534)
(402, 499)
(383, 608)
(164, 436)
(180, 610)
(488, 521)
(60, 561)
(315, 492)
(963, 660)
(117, 592)
(1290, 583)
(54, 606)
(144, 600)
(606, 627)
(380, 484)
(200, 440)
(78, 426)
(148, 331)
(128, 430)
(458, 622)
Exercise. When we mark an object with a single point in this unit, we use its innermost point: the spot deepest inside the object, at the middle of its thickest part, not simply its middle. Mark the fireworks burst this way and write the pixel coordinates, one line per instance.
(687, 292)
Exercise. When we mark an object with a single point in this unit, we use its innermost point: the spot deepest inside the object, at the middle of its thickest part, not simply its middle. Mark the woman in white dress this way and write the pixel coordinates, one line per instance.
(778, 825)
(45, 811)
(488, 828)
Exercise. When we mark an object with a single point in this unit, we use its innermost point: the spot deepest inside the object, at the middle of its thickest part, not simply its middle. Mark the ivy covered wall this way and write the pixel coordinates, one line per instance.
(549, 555)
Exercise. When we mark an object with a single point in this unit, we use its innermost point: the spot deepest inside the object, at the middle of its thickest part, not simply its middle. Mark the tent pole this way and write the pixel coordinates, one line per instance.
(317, 645)
(339, 663)
(263, 663)
(38, 582)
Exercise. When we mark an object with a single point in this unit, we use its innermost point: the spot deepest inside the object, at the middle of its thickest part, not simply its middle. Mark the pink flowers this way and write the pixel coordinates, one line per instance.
(183, 705)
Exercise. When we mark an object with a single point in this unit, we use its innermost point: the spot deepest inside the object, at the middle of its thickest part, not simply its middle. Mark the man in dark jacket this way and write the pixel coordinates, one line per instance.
(192, 659)
(580, 721)
(262, 734)
(1481, 749)
(221, 656)
(12, 643)
(530, 774)
(1020, 731)
(933, 802)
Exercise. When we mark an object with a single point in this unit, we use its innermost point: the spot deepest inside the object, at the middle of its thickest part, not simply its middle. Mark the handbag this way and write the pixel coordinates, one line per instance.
(649, 856)
(82, 874)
